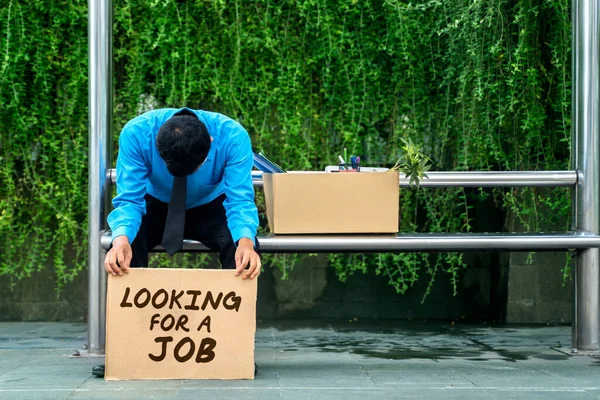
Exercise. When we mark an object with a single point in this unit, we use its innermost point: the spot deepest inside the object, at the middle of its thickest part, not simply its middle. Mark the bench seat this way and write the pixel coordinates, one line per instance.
(410, 242)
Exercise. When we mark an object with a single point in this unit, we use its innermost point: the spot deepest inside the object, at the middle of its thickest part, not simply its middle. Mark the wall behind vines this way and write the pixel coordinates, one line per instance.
(482, 85)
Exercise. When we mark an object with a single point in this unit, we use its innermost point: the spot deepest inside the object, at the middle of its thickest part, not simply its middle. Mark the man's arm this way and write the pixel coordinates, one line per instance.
(129, 204)
(242, 215)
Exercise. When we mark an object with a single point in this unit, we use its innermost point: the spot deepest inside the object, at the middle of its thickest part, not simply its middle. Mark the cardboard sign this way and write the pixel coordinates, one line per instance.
(180, 324)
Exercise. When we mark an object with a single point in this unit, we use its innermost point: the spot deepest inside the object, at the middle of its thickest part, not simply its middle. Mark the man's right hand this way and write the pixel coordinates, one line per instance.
(118, 257)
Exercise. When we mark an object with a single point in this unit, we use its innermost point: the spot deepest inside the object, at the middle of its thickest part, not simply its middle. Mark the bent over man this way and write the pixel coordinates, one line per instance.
(184, 173)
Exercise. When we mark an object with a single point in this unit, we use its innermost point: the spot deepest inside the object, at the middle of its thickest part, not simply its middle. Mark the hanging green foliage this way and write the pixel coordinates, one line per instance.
(480, 85)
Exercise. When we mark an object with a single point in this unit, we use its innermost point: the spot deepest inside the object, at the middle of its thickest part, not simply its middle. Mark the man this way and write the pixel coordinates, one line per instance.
(211, 156)
(183, 174)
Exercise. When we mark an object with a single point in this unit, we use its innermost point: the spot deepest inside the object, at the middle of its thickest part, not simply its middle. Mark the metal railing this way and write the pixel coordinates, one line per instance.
(469, 179)
(410, 242)
(584, 178)
(430, 242)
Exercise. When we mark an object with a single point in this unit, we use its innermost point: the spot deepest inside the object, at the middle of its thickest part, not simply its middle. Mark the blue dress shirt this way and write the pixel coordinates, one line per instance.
(227, 170)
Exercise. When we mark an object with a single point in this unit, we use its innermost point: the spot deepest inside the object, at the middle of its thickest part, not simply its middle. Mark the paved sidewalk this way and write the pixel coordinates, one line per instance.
(320, 360)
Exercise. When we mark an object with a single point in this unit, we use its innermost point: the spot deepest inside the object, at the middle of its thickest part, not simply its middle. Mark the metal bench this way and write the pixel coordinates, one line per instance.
(429, 242)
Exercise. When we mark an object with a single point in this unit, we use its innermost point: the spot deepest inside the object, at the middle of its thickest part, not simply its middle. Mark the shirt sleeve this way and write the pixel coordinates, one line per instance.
(242, 215)
(129, 203)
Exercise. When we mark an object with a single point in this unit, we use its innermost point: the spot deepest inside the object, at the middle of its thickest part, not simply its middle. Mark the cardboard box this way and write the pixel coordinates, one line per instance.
(321, 202)
(180, 324)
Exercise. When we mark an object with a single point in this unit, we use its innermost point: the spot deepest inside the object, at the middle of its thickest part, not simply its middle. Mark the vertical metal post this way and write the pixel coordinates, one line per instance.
(586, 159)
(100, 144)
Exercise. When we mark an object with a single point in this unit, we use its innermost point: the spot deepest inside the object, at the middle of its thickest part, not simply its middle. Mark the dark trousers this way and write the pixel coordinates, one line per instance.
(206, 223)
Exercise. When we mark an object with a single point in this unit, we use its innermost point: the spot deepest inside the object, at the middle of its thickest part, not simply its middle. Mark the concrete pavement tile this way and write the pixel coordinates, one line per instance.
(51, 369)
(522, 354)
(317, 363)
(266, 371)
(7, 369)
(259, 383)
(582, 381)
(583, 370)
(229, 394)
(44, 378)
(393, 365)
(134, 394)
(37, 382)
(319, 381)
(264, 339)
(482, 365)
(62, 355)
(451, 393)
(20, 353)
(34, 394)
(541, 394)
(494, 339)
(331, 394)
(266, 367)
(314, 370)
(419, 378)
(308, 364)
(14, 358)
(42, 335)
(593, 392)
(267, 356)
(512, 375)
(264, 350)
(93, 384)
(518, 335)
(309, 355)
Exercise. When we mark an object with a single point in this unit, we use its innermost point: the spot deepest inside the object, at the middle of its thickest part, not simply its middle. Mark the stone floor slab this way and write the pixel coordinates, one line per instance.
(331, 394)
(230, 394)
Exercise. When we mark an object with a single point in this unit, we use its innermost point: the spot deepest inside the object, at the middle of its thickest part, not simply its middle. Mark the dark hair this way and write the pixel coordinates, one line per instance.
(183, 142)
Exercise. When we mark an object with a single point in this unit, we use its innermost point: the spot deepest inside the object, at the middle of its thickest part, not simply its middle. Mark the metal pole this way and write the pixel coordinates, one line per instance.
(586, 150)
(100, 143)
(407, 242)
(440, 179)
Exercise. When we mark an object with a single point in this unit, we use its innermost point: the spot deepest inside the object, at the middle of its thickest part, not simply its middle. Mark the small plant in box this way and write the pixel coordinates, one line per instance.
(413, 163)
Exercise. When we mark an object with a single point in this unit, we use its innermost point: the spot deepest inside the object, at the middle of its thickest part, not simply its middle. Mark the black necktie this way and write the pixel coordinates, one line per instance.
(173, 235)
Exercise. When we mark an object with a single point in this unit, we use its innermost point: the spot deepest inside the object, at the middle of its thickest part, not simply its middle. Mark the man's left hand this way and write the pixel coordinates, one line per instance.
(245, 256)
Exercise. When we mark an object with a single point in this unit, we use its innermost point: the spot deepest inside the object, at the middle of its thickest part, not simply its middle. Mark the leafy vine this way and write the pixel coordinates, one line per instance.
(482, 85)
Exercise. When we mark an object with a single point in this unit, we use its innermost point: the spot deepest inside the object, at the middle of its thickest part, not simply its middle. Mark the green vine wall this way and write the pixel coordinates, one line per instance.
(482, 85)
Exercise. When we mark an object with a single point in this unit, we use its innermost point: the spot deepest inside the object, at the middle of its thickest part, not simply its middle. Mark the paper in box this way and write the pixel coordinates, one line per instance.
(320, 202)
